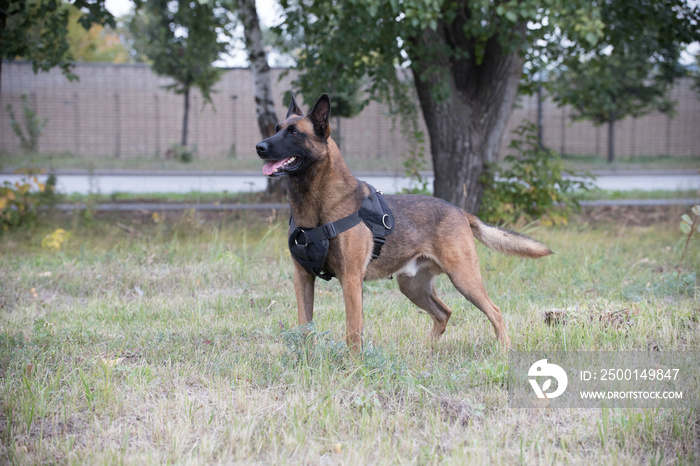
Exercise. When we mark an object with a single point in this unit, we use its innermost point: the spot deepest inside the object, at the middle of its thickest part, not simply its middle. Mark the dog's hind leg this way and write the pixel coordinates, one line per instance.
(458, 258)
(470, 285)
(420, 290)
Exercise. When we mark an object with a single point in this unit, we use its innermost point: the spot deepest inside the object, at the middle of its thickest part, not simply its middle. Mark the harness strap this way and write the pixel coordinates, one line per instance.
(310, 247)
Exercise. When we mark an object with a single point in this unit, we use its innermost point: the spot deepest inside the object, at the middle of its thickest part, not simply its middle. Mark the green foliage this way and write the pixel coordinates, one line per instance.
(344, 42)
(531, 184)
(98, 43)
(431, 49)
(451, 48)
(182, 40)
(22, 202)
(629, 71)
(32, 123)
(37, 30)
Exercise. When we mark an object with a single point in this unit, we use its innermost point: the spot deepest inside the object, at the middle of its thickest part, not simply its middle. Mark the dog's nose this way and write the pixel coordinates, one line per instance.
(261, 147)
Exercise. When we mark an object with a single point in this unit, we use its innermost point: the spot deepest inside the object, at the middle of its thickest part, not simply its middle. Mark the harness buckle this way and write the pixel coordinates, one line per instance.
(329, 230)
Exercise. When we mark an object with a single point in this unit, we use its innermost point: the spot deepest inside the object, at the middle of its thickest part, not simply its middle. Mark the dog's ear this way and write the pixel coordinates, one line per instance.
(320, 115)
(294, 108)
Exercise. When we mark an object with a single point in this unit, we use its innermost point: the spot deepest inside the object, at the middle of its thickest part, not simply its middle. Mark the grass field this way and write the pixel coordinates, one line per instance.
(172, 339)
(249, 162)
(67, 161)
(639, 162)
(196, 197)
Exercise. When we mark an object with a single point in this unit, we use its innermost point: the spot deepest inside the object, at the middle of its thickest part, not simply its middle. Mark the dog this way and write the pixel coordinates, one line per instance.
(428, 236)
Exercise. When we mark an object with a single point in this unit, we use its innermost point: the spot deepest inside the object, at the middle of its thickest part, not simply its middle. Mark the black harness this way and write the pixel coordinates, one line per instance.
(310, 247)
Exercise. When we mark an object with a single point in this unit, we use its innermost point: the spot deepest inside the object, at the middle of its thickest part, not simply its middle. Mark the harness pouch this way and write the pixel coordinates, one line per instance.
(311, 256)
(310, 247)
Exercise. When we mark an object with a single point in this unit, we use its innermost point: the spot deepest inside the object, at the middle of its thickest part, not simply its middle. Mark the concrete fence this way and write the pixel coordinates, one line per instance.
(124, 111)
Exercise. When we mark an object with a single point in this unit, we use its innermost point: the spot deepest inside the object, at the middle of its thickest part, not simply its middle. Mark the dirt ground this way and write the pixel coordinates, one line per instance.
(632, 215)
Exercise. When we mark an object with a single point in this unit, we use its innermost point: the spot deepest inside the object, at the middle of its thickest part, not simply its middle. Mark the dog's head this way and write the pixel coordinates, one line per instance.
(299, 141)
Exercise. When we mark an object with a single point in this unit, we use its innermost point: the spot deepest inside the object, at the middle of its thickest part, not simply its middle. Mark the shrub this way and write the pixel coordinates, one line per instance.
(182, 153)
(34, 125)
(531, 184)
(55, 240)
(21, 201)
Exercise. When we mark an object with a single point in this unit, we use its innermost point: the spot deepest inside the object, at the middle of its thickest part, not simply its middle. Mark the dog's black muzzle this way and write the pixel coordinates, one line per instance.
(262, 148)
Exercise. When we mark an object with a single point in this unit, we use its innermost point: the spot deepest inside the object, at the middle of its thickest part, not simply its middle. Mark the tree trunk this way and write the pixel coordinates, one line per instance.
(337, 134)
(540, 126)
(3, 25)
(467, 124)
(611, 140)
(185, 117)
(264, 103)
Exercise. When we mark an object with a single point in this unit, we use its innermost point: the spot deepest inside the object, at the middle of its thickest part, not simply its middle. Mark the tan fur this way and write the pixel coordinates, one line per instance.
(431, 237)
(505, 241)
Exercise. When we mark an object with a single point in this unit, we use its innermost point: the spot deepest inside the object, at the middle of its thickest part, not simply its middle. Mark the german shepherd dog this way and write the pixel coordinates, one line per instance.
(430, 236)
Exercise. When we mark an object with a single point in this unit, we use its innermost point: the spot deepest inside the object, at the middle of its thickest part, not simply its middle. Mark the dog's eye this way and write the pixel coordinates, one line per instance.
(294, 132)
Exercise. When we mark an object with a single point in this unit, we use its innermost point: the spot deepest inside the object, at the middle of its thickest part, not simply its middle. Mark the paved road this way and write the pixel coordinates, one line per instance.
(129, 182)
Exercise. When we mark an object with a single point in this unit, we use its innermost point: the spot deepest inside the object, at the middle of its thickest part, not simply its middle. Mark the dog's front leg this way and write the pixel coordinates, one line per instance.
(352, 294)
(304, 290)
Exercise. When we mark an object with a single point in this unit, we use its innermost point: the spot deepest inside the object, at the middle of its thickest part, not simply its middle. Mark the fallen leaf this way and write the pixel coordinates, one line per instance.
(112, 362)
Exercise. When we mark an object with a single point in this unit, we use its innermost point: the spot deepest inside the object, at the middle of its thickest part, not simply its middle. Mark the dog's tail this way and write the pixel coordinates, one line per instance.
(505, 241)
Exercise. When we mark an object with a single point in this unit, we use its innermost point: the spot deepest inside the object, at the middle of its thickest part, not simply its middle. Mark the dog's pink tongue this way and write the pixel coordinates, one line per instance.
(270, 167)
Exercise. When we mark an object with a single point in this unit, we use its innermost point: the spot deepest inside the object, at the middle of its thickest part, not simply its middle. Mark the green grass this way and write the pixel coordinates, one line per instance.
(599, 162)
(177, 343)
(194, 197)
(597, 194)
(70, 161)
(249, 162)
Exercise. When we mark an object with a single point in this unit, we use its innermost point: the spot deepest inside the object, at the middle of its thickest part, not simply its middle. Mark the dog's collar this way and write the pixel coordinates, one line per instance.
(310, 247)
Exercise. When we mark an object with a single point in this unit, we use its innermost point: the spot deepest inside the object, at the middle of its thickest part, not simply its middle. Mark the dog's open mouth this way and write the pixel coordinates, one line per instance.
(280, 167)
